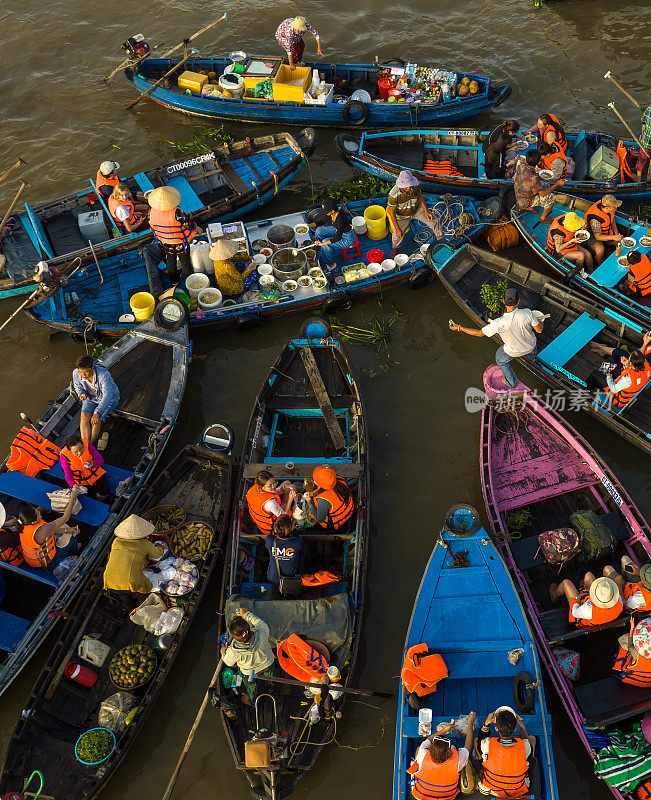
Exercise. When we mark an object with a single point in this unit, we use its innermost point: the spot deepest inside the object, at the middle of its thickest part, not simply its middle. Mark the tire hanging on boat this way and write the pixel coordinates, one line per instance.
(171, 315)
(491, 209)
(361, 107)
(421, 277)
(338, 301)
(394, 62)
(523, 692)
(250, 321)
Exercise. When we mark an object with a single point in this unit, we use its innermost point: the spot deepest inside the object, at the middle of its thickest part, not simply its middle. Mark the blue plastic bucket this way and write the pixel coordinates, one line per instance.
(94, 763)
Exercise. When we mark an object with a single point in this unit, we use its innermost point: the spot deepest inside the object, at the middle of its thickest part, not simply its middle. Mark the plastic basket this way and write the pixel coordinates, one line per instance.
(95, 763)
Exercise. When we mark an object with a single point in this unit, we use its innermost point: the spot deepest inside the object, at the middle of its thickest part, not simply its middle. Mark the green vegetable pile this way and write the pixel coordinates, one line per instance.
(132, 666)
(94, 746)
(167, 519)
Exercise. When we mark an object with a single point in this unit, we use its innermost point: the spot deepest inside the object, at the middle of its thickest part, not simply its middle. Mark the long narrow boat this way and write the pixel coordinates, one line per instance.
(309, 412)
(535, 464)
(103, 296)
(150, 368)
(467, 610)
(603, 283)
(215, 185)
(340, 110)
(564, 357)
(385, 153)
(59, 710)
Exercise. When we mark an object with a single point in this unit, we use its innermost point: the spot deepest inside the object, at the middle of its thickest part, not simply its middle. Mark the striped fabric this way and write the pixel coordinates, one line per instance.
(626, 761)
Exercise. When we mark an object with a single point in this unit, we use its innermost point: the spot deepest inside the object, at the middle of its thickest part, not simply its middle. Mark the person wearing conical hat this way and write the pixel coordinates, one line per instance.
(173, 230)
(289, 35)
(127, 560)
(229, 280)
(597, 603)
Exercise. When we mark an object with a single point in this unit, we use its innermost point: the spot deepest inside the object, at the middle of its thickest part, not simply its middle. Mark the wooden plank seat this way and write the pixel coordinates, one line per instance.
(532, 722)
(143, 182)
(114, 475)
(276, 403)
(558, 628)
(32, 573)
(34, 491)
(12, 630)
(607, 701)
(477, 664)
(309, 537)
(189, 199)
(346, 470)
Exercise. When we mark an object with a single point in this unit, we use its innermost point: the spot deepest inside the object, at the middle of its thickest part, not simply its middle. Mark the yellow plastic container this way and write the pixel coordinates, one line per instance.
(142, 305)
(376, 222)
(291, 85)
(192, 81)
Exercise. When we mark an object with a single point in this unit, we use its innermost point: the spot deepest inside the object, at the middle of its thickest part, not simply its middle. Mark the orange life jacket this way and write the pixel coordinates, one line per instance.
(605, 219)
(30, 453)
(255, 499)
(434, 781)
(321, 578)
(556, 126)
(600, 616)
(641, 273)
(440, 167)
(556, 228)
(340, 511)
(421, 672)
(301, 660)
(82, 475)
(639, 379)
(168, 230)
(37, 555)
(635, 670)
(10, 551)
(625, 170)
(114, 204)
(102, 180)
(505, 769)
(631, 588)
(547, 161)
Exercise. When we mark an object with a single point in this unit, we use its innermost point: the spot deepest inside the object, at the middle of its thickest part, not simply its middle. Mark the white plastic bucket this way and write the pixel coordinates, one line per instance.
(209, 298)
(196, 282)
(199, 258)
(265, 269)
(388, 265)
(266, 281)
(374, 268)
(401, 259)
(289, 286)
(231, 82)
(359, 224)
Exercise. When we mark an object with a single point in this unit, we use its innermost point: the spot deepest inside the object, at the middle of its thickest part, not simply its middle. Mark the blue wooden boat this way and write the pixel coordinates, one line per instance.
(603, 283)
(385, 153)
(103, 296)
(472, 616)
(340, 112)
(221, 184)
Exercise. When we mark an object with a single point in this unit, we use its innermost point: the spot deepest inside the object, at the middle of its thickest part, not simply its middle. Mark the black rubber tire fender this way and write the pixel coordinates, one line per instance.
(81, 335)
(363, 108)
(523, 692)
(322, 321)
(164, 324)
(249, 321)
(337, 301)
(490, 209)
(450, 529)
(421, 277)
(394, 62)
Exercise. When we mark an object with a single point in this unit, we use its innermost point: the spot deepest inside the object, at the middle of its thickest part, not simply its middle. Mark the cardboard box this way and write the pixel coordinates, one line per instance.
(291, 85)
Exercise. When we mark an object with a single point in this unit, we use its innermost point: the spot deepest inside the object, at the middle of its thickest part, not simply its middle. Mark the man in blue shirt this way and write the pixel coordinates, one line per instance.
(99, 396)
(289, 550)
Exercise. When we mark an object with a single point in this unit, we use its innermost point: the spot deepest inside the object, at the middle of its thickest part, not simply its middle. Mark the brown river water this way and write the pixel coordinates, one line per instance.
(58, 114)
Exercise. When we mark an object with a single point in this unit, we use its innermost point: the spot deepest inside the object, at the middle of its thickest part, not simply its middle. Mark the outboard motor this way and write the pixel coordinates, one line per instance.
(136, 47)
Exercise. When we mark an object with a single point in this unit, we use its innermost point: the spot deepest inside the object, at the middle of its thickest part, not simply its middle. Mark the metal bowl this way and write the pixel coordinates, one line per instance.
(289, 263)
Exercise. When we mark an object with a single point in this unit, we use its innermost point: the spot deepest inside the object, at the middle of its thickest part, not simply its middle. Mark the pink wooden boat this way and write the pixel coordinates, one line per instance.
(532, 460)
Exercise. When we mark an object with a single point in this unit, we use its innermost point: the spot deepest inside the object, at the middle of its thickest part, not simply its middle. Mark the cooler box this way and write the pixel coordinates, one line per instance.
(91, 225)
(257, 70)
(291, 85)
(192, 81)
(604, 164)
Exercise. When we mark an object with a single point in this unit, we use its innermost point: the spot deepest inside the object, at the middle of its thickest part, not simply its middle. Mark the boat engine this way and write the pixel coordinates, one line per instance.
(136, 47)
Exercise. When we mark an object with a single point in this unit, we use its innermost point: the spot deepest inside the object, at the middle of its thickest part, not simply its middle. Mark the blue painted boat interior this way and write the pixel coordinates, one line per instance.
(471, 616)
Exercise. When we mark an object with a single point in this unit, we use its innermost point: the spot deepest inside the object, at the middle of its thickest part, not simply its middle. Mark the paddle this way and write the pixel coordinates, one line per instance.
(344, 689)
(15, 167)
(625, 124)
(158, 82)
(23, 186)
(609, 76)
(19, 309)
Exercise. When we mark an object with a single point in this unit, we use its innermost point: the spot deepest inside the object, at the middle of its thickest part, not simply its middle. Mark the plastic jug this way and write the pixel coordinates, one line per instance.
(199, 257)
(79, 674)
(93, 650)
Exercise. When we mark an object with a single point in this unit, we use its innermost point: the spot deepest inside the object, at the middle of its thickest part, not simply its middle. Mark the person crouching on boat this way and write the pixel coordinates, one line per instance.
(129, 215)
(130, 552)
(517, 329)
(505, 757)
(601, 224)
(173, 230)
(335, 234)
(405, 203)
(563, 244)
(633, 660)
(99, 395)
(266, 500)
(437, 765)
(248, 648)
(332, 504)
(289, 35)
(638, 280)
(46, 544)
(82, 467)
(599, 601)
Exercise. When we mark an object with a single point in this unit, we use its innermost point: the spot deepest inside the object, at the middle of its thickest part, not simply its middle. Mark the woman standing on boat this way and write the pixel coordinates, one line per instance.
(289, 35)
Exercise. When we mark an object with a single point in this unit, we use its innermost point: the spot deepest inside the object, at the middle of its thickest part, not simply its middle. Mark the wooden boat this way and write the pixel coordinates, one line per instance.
(150, 367)
(603, 283)
(534, 462)
(481, 676)
(308, 420)
(339, 111)
(215, 185)
(59, 710)
(385, 153)
(564, 358)
(103, 300)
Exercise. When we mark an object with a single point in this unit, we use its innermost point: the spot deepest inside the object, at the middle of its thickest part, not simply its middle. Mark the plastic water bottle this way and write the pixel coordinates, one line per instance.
(314, 714)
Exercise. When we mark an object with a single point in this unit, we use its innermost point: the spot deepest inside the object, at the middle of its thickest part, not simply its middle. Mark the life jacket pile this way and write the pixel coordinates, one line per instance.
(168, 230)
(440, 168)
(10, 551)
(639, 379)
(434, 781)
(555, 229)
(255, 499)
(505, 769)
(30, 453)
(340, 511)
(605, 218)
(300, 660)
(626, 173)
(37, 555)
(641, 273)
(421, 670)
(631, 588)
(83, 475)
(635, 670)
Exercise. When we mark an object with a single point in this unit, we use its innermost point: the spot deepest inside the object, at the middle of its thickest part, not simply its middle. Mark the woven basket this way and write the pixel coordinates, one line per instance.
(153, 513)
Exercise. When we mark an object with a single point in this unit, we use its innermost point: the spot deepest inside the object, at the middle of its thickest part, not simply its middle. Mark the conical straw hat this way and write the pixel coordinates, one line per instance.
(134, 527)
(164, 198)
(223, 249)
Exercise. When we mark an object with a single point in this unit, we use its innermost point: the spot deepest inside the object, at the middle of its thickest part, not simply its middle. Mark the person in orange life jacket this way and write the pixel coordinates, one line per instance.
(562, 244)
(82, 467)
(437, 764)
(598, 603)
(618, 360)
(548, 129)
(555, 160)
(129, 215)
(601, 223)
(107, 178)
(332, 505)
(46, 544)
(638, 279)
(505, 757)
(635, 374)
(289, 549)
(634, 584)
(266, 500)
(173, 230)
(99, 395)
(10, 550)
(632, 663)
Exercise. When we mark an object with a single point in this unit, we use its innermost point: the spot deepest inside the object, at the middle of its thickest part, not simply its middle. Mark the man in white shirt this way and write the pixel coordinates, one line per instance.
(517, 329)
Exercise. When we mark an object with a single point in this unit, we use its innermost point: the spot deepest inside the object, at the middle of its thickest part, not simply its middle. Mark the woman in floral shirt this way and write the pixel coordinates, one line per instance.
(289, 35)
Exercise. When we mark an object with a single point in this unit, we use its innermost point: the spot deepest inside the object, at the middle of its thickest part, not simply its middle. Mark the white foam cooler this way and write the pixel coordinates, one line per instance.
(91, 225)
(604, 164)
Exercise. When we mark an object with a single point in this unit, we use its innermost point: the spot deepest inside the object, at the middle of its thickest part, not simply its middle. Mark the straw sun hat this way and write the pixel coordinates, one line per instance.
(298, 23)
(223, 249)
(164, 198)
(134, 527)
(604, 593)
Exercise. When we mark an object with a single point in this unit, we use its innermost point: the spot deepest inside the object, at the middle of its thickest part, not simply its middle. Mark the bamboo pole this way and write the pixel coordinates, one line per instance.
(15, 167)
(609, 76)
(626, 125)
(154, 85)
(23, 186)
(187, 41)
(129, 63)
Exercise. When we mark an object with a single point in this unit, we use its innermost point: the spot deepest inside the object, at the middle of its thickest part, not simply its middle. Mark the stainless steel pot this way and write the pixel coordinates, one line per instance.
(289, 264)
(280, 236)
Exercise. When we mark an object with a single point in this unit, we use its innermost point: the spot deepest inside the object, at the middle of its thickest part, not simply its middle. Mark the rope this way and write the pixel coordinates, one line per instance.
(89, 326)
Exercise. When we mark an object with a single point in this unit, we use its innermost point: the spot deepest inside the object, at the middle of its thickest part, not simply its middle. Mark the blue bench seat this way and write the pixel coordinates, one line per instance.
(143, 182)
(574, 338)
(34, 491)
(189, 199)
(114, 475)
(478, 664)
(532, 722)
(33, 573)
(12, 630)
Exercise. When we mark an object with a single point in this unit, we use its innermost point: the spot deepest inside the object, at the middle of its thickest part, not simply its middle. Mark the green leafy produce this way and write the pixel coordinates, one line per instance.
(493, 295)
(94, 746)
(356, 189)
(132, 666)
(518, 519)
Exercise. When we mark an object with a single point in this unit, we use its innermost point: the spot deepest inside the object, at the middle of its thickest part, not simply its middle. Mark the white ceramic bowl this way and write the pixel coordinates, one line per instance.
(628, 241)
(320, 284)
(304, 282)
(401, 260)
(289, 286)
(374, 268)
(546, 174)
(258, 259)
(582, 236)
(315, 272)
(267, 252)
(265, 269)
(266, 281)
(622, 261)
(645, 241)
(388, 265)
(301, 229)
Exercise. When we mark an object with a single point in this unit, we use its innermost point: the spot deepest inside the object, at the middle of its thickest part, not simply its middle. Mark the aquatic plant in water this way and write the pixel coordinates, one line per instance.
(202, 139)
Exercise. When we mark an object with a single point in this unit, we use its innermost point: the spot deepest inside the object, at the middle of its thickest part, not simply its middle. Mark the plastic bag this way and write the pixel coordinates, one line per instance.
(114, 711)
(148, 612)
(461, 724)
(59, 501)
(64, 568)
(169, 621)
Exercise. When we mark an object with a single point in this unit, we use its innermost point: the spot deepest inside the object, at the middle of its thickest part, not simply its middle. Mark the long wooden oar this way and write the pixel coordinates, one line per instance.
(626, 125)
(187, 41)
(23, 186)
(15, 167)
(609, 76)
(344, 689)
(19, 309)
(158, 82)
